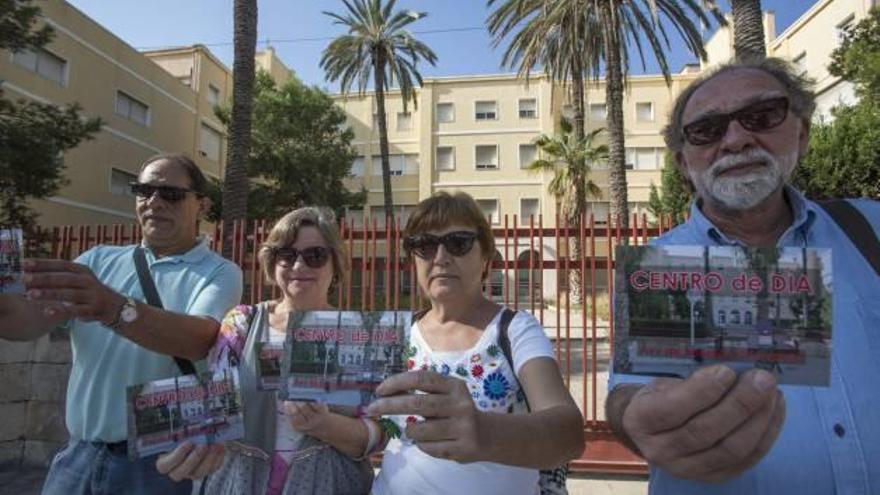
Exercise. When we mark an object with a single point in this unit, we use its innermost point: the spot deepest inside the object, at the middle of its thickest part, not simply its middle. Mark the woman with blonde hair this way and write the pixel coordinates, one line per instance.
(484, 407)
(288, 448)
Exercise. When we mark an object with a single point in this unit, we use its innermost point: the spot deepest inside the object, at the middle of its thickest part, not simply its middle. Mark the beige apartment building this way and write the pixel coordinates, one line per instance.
(469, 133)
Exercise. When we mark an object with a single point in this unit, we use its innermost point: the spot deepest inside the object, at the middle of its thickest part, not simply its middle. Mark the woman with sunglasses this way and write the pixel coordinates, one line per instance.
(288, 448)
(467, 425)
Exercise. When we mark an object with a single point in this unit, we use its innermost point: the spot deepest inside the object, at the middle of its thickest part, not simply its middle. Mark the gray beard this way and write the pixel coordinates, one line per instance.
(740, 192)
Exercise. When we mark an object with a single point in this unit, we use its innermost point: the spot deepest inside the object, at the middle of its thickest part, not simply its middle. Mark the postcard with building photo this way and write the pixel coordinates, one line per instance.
(678, 308)
(200, 409)
(340, 357)
(269, 364)
(11, 253)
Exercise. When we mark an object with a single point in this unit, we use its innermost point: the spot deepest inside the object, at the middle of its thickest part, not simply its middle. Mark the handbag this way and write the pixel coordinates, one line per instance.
(550, 481)
(148, 286)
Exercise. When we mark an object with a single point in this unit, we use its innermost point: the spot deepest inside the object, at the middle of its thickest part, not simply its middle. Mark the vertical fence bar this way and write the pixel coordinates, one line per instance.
(350, 254)
(567, 302)
(644, 229)
(593, 348)
(364, 229)
(389, 224)
(506, 286)
(532, 263)
(582, 250)
(516, 265)
(397, 252)
(558, 266)
(541, 261)
(372, 290)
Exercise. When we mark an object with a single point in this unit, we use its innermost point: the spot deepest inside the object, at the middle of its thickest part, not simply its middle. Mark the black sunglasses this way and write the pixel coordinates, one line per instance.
(425, 245)
(168, 193)
(757, 117)
(314, 257)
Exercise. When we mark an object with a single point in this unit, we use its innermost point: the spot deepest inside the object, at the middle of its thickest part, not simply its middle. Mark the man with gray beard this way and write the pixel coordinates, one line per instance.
(737, 133)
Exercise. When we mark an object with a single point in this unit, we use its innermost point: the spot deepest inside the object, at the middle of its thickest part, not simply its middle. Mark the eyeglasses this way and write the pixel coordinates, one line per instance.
(168, 193)
(314, 257)
(757, 117)
(425, 245)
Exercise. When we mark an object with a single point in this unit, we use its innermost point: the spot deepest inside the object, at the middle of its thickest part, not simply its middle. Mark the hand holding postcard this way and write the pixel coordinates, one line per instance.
(678, 308)
(340, 357)
(11, 253)
(200, 409)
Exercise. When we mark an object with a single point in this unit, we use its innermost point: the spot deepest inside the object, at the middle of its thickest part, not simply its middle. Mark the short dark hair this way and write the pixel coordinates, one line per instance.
(798, 87)
(197, 180)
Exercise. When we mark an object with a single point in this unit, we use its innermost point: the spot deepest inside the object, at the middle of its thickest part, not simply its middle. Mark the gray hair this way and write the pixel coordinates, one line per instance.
(798, 87)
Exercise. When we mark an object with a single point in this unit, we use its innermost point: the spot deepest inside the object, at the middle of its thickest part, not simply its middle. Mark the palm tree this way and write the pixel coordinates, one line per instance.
(235, 184)
(601, 38)
(377, 45)
(748, 29)
(570, 159)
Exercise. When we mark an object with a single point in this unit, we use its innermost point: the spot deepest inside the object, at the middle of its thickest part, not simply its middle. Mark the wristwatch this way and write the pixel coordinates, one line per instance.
(127, 314)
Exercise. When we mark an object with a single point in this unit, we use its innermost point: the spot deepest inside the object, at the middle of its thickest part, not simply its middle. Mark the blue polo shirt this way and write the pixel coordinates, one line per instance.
(830, 442)
(198, 282)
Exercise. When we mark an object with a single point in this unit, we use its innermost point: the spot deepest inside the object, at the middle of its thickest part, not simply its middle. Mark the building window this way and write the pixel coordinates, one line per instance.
(598, 112)
(132, 109)
(528, 108)
(485, 110)
(800, 62)
(528, 207)
(210, 143)
(486, 156)
(644, 158)
(120, 180)
(528, 153)
(357, 167)
(213, 95)
(43, 63)
(445, 112)
(844, 26)
(404, 121)
(645, 111)
(445, 158)
(600, 211)
(722, 317)
(734, 317)
(399, 165)
(489, 207)
(747, 318)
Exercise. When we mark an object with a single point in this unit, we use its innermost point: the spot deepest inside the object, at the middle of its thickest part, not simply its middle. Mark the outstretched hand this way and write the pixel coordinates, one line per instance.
(451, 429)
(307, 417)
(192, 462)
(83, 295)
(710, 427)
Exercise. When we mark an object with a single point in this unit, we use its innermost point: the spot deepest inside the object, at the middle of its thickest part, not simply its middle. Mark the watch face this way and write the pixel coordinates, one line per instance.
(129, 313)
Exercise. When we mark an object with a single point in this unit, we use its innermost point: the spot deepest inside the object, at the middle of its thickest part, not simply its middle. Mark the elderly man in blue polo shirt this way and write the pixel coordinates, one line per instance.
(117, 338)
(737, 134)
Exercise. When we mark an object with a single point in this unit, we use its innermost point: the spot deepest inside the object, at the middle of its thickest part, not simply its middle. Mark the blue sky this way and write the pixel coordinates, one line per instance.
(299, 32)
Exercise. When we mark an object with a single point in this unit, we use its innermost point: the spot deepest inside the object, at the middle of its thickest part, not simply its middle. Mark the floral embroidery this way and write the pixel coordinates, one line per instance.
(424, 366)
(445, 369)
(496, 386)
(476, 358)
(389, 428)
(411, 420)
(493, 364)
(493, 350)
(434, 368)
(477, 371)
(483, 404)
(410, 363)
(411, 351)
(461, 371)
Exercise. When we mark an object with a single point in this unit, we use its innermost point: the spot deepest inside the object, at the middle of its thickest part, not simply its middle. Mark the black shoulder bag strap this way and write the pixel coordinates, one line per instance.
(149, 287)
(857, 228)
(504, 343)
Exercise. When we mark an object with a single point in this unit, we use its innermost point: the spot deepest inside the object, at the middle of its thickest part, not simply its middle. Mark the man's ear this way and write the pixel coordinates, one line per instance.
(803, 138)
(204, 205)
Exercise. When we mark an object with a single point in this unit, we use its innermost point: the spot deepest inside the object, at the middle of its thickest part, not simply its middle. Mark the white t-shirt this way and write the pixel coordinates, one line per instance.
(408, 470)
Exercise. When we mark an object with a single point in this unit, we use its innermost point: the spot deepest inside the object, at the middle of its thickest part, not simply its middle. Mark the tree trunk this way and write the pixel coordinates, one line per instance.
(748, 29)
(235, 184)
(614, 104)
(579, 176)
(379, 73)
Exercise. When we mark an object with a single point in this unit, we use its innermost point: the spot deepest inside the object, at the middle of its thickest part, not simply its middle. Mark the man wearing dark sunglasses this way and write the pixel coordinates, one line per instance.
(737, 134)
(118, 338)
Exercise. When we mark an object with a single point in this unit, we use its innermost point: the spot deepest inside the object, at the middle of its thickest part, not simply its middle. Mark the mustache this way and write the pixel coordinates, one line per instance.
(751, 156)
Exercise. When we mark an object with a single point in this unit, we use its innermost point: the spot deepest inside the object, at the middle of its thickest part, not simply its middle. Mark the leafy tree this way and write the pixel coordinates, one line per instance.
(748, 29)
(857, 59)
(570, 160)
(299, 153)
(843, 159)
(674, 195)
(33, 135)
(377, 46)
(235, 184)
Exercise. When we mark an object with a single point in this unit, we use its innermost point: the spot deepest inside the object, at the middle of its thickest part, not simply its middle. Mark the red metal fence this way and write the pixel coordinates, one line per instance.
(536, 268)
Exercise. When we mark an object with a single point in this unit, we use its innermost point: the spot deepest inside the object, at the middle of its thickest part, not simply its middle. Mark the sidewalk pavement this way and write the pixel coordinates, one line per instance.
(29, 481)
